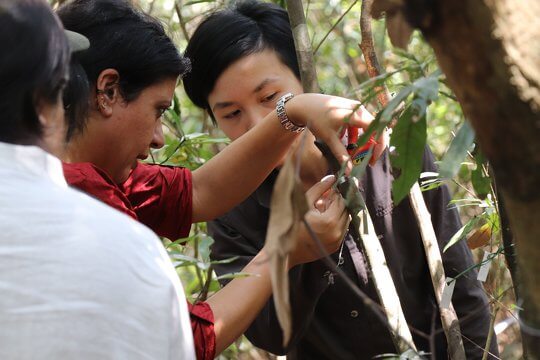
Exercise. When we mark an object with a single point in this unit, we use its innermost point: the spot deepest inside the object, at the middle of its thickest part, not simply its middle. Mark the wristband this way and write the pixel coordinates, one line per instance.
(282, 115)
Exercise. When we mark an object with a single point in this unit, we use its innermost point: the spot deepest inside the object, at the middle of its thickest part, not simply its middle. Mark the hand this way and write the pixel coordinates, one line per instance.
(327, 217)
(326, 115)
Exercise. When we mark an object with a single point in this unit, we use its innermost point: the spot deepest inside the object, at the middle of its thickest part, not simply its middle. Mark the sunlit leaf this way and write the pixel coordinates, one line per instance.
(480, 181)
(409, 140)
(427, 87)
(459, 147)
(461, 233)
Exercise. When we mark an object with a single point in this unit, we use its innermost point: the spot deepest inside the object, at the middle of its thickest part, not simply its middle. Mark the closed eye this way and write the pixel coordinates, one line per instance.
(232, 114)
(270, 97)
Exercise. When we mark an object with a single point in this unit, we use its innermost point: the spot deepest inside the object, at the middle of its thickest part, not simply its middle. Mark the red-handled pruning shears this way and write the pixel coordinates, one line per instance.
(350, 138)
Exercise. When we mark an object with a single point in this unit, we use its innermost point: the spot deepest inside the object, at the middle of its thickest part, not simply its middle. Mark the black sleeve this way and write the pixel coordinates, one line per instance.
(306, 283)
(469, 298)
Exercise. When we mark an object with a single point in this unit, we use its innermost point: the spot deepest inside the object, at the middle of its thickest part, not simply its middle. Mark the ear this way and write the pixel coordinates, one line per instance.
(50, 115)
(107, 91)
(52, 120)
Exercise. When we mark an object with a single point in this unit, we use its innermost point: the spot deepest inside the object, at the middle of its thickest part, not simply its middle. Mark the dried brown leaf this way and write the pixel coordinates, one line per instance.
(480, 237)
(287, 208)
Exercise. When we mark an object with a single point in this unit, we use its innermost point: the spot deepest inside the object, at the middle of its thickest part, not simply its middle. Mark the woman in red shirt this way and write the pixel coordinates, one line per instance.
(119, 89)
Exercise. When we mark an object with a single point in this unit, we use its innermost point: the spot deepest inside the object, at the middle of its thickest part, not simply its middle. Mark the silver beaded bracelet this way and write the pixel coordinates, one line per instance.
(282, 115)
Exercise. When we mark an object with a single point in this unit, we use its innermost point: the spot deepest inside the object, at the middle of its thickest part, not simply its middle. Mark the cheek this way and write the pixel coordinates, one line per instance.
(231, 130)
(140, 126)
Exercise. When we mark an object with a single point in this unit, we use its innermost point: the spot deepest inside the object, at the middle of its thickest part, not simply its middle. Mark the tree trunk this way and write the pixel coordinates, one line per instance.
(490, 53)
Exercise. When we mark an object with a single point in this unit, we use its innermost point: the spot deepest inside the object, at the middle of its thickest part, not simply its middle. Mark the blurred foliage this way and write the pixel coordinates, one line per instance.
(430, 113)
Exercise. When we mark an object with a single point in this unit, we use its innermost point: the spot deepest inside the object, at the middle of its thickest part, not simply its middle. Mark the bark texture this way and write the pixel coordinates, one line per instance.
(490, 53)
(302, 43)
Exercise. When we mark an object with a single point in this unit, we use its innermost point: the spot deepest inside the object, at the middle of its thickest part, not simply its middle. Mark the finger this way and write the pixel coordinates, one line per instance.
(361, 117)
(321, 205)
(336, 208)
(317, 191)
(378, 150)
(338, 149)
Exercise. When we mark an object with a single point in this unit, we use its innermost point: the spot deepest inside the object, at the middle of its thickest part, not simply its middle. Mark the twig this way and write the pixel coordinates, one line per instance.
(334, 26)
(178, 8)
(490, 333)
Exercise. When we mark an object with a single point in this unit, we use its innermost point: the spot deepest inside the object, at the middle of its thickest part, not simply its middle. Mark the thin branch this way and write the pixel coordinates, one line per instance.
(178, 7)
(334, 26)
(370, 57)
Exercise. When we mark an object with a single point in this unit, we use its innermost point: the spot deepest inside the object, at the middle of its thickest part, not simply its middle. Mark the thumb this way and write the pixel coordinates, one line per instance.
(317, 190)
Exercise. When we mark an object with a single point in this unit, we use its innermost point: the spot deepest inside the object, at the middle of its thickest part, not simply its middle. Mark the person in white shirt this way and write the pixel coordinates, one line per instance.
(78, 280)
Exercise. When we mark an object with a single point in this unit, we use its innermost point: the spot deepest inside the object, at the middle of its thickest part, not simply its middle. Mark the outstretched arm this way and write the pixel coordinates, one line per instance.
(233, 174)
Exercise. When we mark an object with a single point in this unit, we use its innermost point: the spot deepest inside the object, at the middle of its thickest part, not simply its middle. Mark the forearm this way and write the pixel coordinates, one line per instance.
(237, 304)
(238, 170)
(242, 166)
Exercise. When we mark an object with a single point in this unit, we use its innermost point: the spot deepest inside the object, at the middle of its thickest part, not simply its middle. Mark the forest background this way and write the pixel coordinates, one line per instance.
(334, 28)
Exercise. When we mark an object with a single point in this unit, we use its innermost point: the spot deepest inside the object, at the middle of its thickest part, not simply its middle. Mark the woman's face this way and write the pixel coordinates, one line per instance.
(248, 90)
(133, 128)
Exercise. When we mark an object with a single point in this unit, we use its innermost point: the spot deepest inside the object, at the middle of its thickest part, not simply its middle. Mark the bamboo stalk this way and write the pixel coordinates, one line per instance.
(384, 284)
(449, 318)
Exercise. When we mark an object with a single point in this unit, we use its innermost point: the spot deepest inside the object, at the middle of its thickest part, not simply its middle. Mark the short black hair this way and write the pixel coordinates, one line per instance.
(33, 66)
(122, 37)
(228, 35)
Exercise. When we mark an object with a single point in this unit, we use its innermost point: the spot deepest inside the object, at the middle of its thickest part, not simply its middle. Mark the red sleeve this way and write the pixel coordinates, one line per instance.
(96, 183)
(161, 197)
(202, 325)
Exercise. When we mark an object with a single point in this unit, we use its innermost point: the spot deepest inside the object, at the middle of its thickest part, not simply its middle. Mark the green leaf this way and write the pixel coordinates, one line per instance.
(388, 111)
(462, 233)
(457, 151)
(409, 139)
(481, 183)
(427, 87)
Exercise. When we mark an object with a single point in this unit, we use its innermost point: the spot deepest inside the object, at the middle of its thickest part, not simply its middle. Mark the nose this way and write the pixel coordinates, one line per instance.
(158, 140)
